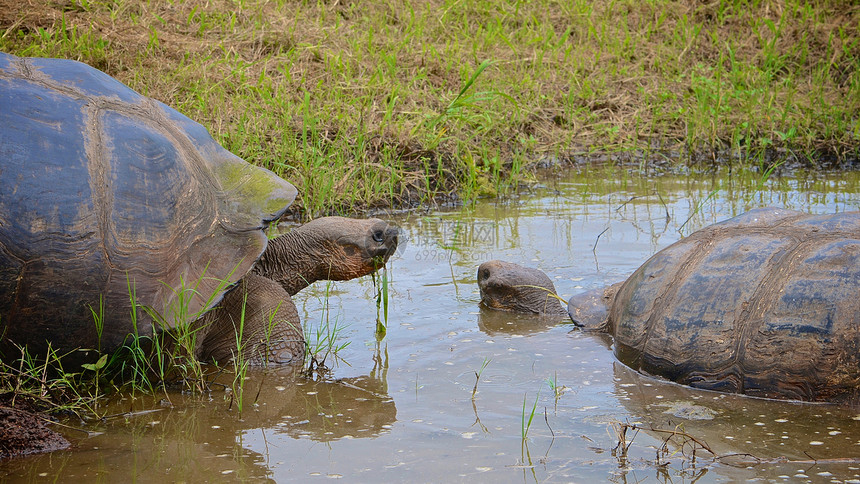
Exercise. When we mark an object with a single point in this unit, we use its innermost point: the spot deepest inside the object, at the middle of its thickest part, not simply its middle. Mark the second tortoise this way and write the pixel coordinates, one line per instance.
(765, 304)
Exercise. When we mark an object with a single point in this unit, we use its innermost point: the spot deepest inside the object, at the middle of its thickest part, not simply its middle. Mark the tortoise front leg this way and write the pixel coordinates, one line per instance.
(269, 325)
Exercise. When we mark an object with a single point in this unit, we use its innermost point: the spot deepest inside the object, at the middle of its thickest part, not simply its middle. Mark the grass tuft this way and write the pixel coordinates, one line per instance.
(396, 103)
(527, 417)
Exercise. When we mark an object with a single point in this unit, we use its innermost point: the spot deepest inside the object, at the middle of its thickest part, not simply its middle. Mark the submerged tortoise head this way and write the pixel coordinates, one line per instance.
(510, 287)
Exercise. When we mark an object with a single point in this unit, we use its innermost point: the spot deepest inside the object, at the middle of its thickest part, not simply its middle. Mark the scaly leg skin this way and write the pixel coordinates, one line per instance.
(270, 327)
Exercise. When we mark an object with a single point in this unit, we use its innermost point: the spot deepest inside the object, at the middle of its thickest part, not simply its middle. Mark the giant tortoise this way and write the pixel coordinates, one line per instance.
(764, 304)
(109, 197)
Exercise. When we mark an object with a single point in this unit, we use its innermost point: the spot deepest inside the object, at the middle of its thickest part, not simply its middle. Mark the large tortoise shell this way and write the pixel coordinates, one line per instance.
(765, 304)
(105, 193)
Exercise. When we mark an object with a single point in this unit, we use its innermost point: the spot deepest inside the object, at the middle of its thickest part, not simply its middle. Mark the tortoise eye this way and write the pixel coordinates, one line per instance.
(378, 235)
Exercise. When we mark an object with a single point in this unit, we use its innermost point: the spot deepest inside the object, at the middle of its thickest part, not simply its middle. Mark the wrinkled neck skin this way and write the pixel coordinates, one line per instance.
(591, 309)
(536, 300)
(328, 248)
(294, 260)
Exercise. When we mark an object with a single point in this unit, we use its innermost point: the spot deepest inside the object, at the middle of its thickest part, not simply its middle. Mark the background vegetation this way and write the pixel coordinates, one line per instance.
(391, 103)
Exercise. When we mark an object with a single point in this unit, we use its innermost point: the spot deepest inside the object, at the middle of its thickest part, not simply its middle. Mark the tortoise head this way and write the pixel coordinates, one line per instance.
(511, 287)
(328, 248)
(352, 247)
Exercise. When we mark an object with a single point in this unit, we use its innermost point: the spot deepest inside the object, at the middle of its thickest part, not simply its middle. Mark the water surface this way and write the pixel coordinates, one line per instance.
(402, 409)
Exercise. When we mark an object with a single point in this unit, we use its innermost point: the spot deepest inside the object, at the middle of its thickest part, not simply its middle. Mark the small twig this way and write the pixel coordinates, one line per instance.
(631, 440)
(260, 389)
(13, 28)
(546, 419)
(628, 201)
(594, 247)
(662, 202)
(698, 208)
(753, 460)
(478, 375)
(674, 433)
(478, 419)
(131, 414)
(78, 429)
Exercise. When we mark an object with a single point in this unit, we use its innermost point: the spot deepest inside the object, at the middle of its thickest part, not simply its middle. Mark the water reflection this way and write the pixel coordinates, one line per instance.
(732, 424)
(742, 432)
(189, 439)
(495, 322)
(351, 407)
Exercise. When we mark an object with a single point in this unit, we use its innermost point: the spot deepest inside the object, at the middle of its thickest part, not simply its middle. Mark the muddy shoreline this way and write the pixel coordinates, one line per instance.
(26, 431)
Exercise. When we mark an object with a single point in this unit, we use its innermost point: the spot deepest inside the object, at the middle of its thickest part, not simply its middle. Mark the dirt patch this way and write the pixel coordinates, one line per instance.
(24, 433)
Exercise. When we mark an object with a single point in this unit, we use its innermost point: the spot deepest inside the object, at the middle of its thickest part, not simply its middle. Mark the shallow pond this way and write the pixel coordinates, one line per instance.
(403, 408)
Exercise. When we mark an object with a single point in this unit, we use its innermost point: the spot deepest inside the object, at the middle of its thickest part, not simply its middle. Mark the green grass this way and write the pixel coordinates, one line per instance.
(478, 375)
(240, 361)
(557, 389)
(528, 416)
(393, 103)
(161, 360)
(175, 336)
(323, 340)
(382, 301)
(44, 382)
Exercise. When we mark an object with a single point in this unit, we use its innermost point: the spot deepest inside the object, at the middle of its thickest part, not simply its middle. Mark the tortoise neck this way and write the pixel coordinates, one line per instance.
(290, 260)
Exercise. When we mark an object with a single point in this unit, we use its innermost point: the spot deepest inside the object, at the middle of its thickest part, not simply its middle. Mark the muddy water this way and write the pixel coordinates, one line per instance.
(402, 409)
